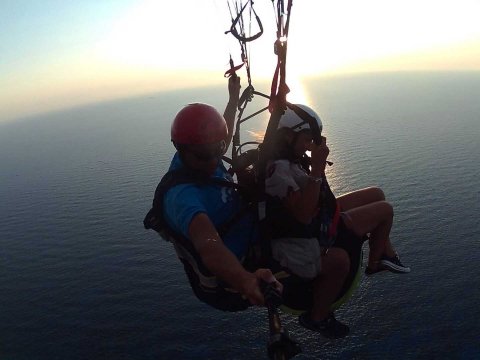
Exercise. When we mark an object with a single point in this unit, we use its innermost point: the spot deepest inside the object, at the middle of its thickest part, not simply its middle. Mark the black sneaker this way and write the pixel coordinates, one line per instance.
(329, 327)
(394, 264)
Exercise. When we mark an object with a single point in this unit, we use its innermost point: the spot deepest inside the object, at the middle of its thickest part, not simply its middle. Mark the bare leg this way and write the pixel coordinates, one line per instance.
(375, 218)
(364, 197)
(335, 267)
(360, 197)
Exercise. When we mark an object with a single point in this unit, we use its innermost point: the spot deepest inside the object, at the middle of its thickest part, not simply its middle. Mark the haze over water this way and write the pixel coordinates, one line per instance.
(81, 279)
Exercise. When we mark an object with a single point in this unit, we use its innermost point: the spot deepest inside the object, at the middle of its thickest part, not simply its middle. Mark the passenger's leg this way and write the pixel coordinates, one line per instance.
(360, 197)
(377, 219)
(335, 267)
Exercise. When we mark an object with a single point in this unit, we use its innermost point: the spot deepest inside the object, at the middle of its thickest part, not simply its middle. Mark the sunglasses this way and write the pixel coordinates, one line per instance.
(205, 153)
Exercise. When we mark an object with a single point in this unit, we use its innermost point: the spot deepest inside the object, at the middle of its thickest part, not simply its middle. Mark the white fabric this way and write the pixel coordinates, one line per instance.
(284, 177)
(302, 256)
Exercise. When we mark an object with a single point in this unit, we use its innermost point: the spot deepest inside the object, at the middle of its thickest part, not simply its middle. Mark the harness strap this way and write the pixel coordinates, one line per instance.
(209, 282)
(335, 222)
(239, 20)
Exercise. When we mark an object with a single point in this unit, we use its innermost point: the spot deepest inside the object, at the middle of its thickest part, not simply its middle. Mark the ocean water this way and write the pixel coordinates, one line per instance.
(81, 279)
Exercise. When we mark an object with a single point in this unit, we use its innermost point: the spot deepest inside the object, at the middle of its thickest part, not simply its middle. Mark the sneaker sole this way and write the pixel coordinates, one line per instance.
(394, 267)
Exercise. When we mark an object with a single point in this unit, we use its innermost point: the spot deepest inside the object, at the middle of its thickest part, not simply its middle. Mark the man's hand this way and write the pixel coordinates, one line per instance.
(251, 285)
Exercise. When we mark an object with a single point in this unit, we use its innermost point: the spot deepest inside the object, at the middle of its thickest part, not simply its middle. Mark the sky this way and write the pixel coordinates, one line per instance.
(60, 53)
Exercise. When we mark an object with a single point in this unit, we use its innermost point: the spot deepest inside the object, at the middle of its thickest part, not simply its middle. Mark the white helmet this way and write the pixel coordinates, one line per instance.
(291, 120)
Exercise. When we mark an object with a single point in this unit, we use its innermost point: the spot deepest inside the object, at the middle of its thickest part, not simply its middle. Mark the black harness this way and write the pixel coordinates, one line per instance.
(206, 286)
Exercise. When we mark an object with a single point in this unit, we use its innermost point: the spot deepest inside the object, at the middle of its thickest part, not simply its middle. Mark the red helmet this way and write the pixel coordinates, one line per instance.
(198, 124)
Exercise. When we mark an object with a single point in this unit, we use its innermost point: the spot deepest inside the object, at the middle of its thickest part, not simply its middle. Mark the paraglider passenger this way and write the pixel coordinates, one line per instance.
(307, 219)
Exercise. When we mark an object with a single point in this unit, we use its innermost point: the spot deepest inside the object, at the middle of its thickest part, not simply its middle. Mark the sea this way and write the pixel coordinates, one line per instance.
(80, 278)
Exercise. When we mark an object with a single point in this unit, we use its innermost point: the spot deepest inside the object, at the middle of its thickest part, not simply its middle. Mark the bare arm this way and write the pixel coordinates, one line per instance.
(231, 108)
(303, 204)
(223, 263)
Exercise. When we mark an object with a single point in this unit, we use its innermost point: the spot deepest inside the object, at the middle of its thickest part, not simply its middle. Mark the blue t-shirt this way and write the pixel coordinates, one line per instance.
(220, 203)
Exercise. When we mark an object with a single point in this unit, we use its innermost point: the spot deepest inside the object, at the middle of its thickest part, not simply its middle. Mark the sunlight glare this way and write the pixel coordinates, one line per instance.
(297, 94)
(159, 35)
(332, 36)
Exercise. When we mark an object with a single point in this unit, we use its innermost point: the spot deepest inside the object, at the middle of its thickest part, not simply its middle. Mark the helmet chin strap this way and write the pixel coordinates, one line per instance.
(291, 147)
(180, 152)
